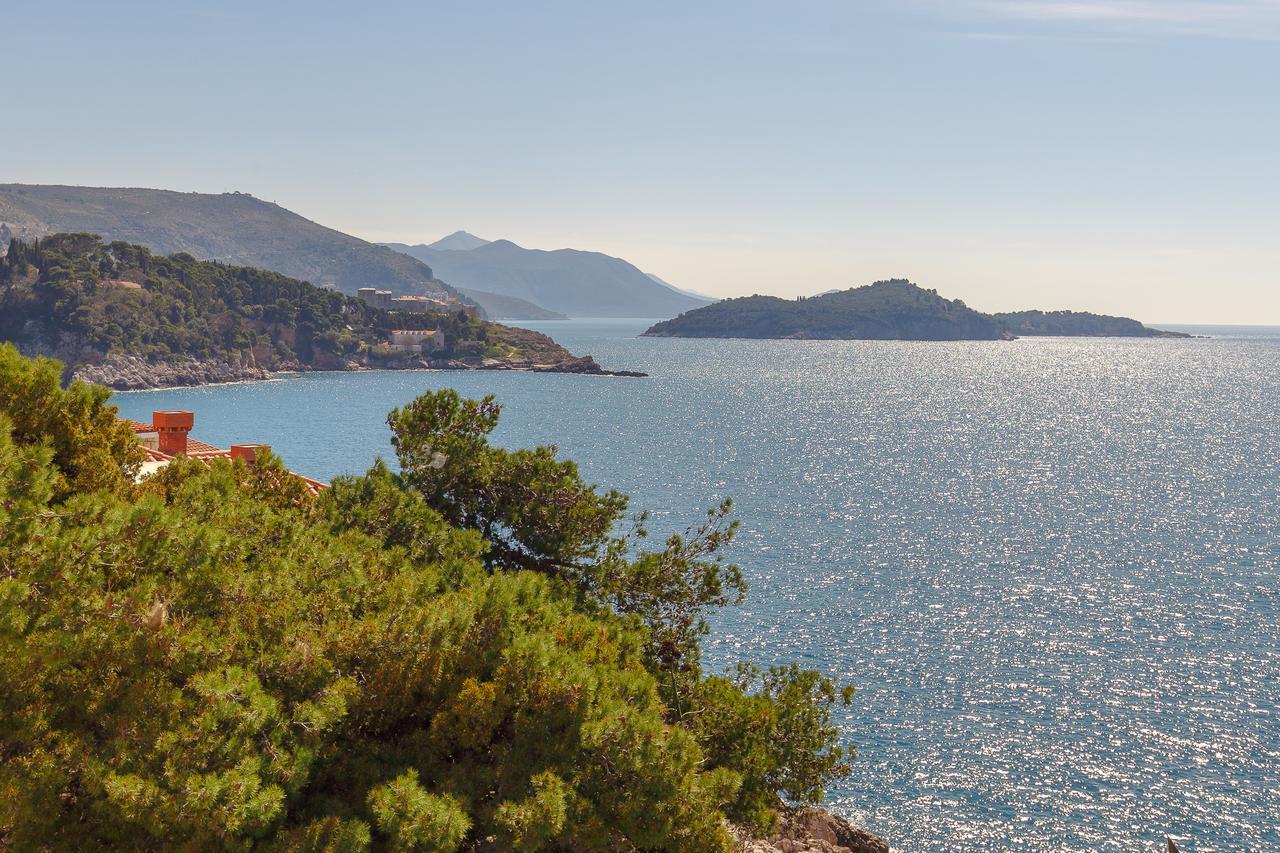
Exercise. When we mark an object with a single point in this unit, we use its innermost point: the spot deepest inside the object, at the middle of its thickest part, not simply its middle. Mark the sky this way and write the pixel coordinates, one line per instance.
(1120, 156)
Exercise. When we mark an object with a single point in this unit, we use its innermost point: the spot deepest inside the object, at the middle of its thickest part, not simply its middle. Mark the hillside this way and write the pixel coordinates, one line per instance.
(1079, 324)
(693, 293)
(120, 315)
(886, 310)
(569, 281)
(499, 307)
(233, 228)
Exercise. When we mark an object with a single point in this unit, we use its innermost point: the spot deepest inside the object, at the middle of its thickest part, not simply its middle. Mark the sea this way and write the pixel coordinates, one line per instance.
(1051, 567)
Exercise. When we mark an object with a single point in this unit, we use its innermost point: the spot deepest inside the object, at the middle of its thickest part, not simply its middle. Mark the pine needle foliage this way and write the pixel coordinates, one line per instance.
(214, 659)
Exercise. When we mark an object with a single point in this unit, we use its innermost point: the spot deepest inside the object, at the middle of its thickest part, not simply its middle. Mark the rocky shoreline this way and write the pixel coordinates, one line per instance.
(811, 831)
(130, 373)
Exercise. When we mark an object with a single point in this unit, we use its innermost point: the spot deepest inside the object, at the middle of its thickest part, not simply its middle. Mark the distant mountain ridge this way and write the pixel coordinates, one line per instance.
(499, 307)
(695, 294)
(568, 281)
(461, 241)
(234, 228)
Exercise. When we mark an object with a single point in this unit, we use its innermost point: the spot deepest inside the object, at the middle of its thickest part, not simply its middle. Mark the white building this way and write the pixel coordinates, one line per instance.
(417, 340)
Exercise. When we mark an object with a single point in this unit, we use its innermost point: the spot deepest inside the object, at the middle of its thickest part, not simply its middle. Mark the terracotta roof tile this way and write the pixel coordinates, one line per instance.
(195, 447)
(205, 452)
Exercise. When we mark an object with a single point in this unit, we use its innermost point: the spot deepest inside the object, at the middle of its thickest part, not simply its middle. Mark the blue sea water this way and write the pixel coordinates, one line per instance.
(1051, 566)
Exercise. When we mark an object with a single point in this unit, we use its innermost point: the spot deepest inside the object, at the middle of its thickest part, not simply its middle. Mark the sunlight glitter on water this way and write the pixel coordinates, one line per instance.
(1052, 567)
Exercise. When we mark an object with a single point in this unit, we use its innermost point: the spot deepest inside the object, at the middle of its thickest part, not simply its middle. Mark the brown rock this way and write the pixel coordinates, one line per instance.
(812, 831)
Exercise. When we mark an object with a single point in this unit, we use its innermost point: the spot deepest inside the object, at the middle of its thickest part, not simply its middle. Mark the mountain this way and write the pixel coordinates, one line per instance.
(459, 240)
(573, 282)
(695, 294)
(232, 227)
(886, 310)
(499, 307)
(116, 314)
(1079, 324)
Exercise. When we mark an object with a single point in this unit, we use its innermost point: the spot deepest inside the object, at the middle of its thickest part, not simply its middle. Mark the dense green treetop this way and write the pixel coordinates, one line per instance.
(463, 654)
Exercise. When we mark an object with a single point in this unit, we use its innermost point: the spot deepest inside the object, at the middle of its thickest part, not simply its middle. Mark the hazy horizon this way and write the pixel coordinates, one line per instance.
(1113, 155)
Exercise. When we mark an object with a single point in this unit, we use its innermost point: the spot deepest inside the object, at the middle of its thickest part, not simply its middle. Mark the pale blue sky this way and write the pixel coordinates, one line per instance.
(1109, 155)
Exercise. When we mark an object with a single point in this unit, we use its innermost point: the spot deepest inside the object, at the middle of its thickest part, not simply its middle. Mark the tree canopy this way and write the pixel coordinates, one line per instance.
(462, 654)
(74, 294)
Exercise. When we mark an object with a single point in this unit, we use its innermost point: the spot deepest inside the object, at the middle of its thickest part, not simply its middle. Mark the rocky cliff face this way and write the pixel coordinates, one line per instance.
(127, 373)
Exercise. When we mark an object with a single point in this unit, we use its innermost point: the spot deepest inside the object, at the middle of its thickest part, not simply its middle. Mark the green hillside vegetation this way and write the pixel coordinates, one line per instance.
(461, 654)
(886, 310)
(1080, 324)
(80, 298)
(234, 228)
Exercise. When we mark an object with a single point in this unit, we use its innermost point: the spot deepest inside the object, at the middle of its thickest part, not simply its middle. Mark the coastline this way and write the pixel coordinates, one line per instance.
(129, 373)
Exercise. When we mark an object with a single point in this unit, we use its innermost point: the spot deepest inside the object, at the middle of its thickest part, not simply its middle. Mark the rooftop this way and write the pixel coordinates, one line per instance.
(172, 443)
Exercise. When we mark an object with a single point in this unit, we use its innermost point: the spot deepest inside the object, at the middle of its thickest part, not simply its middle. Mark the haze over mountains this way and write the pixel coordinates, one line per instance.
(235, 228)
(568, 281)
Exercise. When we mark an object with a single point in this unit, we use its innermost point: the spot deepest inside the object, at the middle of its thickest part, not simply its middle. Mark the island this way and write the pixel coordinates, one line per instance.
(895, 310)
(887, 310)
(1079, 324)
(117, 315)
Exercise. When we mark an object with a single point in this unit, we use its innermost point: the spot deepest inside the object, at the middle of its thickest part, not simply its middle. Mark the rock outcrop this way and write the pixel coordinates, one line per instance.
(129, 373)
(813, 831)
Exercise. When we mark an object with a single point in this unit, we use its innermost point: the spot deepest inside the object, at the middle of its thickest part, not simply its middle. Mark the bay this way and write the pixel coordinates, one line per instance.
(1051, 566)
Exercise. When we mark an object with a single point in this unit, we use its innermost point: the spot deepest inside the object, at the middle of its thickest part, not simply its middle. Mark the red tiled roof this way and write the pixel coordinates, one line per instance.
(205, 452)
(195, 447)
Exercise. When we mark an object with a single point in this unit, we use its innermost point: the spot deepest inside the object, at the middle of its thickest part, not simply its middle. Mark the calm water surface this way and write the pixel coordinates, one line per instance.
(1052, 567)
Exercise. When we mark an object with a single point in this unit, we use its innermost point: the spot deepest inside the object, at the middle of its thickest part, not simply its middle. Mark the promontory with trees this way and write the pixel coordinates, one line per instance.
(473, 650)
(887, 310)
(119, 315)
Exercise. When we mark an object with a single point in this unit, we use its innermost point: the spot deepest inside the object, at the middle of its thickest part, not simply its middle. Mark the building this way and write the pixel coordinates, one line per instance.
(168, 436)
(412, 304)
(417, 340)
(376, 298)
(415, 304)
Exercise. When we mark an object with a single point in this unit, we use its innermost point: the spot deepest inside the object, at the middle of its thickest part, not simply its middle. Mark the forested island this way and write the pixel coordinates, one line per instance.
(887, 310)
(1080, 324)
(117, 314)
(462, 654)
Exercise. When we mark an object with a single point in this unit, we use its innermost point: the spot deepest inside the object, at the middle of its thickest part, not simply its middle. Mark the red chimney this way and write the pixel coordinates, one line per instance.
(172, 428)
(248, 452)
